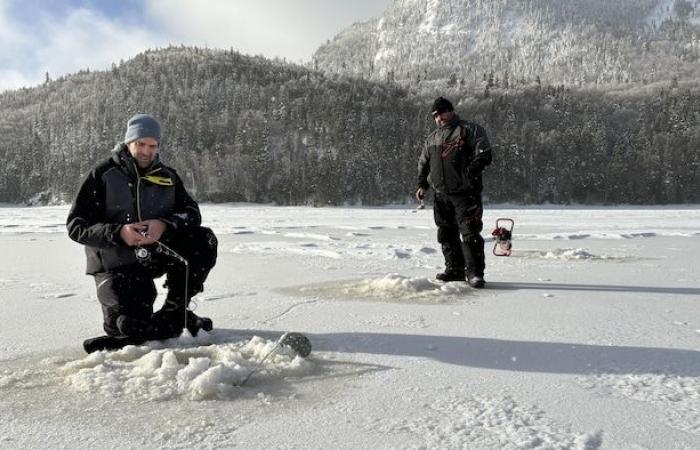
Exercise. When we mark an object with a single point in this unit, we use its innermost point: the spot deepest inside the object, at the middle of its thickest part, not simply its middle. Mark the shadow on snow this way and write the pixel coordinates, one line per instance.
(506, 286)
(501, 354)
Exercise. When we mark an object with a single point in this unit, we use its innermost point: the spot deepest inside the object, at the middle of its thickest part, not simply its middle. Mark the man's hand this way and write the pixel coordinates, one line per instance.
(154, 229)
(420, 194)
(142, 233)
(132, 233)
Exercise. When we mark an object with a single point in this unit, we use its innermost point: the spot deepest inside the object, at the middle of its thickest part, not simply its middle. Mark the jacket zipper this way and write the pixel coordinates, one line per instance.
(442, 161)
(138, 193)
(442, 140)
(138, 189)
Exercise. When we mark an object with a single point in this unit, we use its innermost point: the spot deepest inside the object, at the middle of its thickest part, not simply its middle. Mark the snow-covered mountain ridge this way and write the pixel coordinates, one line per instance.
(585, 42)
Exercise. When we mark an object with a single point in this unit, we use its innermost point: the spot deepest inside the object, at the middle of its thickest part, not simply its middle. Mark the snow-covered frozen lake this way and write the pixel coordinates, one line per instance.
(588, 336)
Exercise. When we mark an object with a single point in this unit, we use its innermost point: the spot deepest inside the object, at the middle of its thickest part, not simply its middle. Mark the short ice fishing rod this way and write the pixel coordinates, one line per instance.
(143, 254)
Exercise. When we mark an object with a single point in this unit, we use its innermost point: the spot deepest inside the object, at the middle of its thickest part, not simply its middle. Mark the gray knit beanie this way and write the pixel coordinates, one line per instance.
(141, 126)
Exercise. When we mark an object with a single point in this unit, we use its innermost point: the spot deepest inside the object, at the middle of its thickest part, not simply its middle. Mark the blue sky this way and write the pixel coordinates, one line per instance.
(64, 36)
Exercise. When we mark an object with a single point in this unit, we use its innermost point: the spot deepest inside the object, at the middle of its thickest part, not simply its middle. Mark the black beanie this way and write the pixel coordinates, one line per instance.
(441, 105)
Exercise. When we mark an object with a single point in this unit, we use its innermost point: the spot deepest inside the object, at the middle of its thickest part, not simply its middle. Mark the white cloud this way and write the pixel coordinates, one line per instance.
(13, 45)
(59, 45)
(10, 34)
(85, 38)
(13, 79)
(285, 28)
(88, 39)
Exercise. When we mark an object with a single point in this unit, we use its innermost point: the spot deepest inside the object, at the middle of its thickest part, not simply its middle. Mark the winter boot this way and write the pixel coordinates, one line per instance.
(196, 323)
(109, 343)
(139, 328)
(476, 281)
(168, 322)
(450, 275)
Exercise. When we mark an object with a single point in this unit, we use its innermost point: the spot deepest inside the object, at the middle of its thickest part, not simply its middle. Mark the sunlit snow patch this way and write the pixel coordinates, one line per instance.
(6, 282)
(277, 248)
(206, 372)
(677, 396)
(392, 287)
(571, 254)
(482, 422)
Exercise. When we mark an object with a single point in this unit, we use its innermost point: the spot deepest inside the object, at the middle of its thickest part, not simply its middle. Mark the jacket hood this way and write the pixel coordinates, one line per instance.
(121, 156)
(118, 148)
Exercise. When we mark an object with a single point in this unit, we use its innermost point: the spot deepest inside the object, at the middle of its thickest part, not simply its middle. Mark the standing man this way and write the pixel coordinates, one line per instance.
(126, 207)
(452, 161)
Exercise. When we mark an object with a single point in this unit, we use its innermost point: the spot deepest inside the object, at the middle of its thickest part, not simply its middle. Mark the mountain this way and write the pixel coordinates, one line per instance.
(589, 43)
(238, 128)
(586, 101)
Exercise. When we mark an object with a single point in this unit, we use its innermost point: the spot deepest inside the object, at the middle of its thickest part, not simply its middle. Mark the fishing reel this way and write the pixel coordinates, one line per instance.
(143, 254)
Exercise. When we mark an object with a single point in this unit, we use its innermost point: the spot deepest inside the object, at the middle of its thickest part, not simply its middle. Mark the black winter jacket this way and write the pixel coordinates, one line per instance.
(115, 193)
(454, 157)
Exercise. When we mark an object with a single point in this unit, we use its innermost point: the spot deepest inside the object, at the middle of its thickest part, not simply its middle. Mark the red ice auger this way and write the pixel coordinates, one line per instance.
(503, 235)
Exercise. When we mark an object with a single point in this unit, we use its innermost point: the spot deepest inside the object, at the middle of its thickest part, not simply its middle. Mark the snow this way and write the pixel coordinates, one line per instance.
(431, 16)
(662, 11)
(586, 337)
(193, 371)
(665, 10)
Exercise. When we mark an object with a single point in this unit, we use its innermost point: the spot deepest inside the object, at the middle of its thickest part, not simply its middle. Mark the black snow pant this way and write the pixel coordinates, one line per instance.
(131, 291)
(458, 218)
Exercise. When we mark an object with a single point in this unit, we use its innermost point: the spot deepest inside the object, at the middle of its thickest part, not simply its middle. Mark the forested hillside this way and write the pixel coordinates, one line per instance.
(562, 145)
(239, 129)
(242, 128)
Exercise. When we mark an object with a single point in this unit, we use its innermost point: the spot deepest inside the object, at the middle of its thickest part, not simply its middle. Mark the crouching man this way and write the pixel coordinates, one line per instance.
(137, 223)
